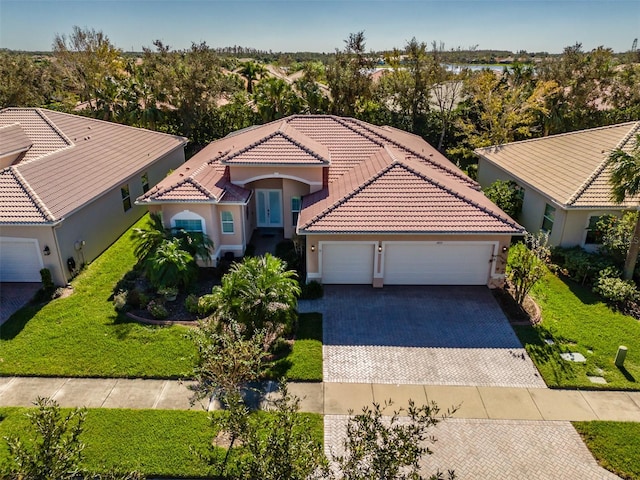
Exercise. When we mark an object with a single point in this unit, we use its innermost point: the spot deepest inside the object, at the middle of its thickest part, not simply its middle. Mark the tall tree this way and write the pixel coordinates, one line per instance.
(275, 99)
(625, 183)
(252, 71)
(349, 76)
(86, 58)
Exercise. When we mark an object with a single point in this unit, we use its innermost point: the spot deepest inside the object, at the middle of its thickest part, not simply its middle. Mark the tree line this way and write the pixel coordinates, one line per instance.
(205, 93)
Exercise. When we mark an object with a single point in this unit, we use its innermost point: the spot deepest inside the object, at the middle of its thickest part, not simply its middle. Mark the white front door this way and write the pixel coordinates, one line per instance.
(269, 205)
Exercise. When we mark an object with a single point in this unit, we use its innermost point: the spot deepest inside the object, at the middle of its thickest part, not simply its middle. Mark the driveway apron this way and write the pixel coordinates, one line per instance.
(420, 335)
(13, 296)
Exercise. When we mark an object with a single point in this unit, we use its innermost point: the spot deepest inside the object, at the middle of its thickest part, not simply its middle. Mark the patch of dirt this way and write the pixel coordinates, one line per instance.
(526, 314)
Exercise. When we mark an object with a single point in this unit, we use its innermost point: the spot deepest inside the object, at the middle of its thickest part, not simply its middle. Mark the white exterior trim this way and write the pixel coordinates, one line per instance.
(188, 215)
(276, 175)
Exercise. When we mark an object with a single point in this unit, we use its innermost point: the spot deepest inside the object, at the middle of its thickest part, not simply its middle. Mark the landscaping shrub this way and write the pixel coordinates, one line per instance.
(507, 195)
(157, 310)
(120, 300)
(47, 282)
(137, 298)
(311, 291)
(579, 264)
(191, 304)
(169, 265)
(614, 289)
(524, 270)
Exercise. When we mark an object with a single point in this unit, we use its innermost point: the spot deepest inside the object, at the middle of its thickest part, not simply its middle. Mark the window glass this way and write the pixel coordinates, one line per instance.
(296, 202)
(145, 182)
(126, 197)
(549, 216)
(189, 225)
(227, 222)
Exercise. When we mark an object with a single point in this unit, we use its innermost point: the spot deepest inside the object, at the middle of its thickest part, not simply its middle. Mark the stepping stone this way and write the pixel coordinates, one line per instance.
(573, 357)
(548, 341)
(600, 380)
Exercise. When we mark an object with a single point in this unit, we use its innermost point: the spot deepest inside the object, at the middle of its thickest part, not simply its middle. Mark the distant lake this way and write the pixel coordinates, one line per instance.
(457, 68)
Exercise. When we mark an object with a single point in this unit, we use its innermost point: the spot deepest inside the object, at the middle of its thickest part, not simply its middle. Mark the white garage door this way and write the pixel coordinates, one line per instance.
(20, 260)
(348, 262)
(437, 263)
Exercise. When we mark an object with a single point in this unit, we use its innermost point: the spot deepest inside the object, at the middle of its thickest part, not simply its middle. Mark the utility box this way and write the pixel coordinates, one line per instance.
(621, 355)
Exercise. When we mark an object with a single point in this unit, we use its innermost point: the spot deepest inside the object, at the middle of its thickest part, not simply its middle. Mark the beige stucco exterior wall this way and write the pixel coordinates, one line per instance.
(211, 216)
(496, 278)
(311, 175)
(45, 237)
(98, 223)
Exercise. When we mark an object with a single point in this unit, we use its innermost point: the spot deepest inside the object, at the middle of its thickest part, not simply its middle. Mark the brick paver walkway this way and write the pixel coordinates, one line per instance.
(13, 296)
(498, 449)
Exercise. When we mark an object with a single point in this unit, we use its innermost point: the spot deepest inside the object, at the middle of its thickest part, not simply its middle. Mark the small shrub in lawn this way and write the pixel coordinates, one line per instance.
(120, 300)
(157, 309)
(614, 289)
(191, 304)
(280, 347)
(312, 290)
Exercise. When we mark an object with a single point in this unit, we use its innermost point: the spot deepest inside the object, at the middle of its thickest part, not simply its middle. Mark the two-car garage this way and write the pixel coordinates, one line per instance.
(407, 263)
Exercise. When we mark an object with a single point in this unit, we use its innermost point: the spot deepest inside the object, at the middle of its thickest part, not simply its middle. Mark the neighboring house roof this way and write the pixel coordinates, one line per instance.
(379, 178)
(72, 161)
(570, 168)
(394, 193)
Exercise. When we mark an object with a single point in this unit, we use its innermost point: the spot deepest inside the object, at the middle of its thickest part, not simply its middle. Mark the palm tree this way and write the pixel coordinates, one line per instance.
(251, 71)
(170, 266)
(625, 183)
(148, 239)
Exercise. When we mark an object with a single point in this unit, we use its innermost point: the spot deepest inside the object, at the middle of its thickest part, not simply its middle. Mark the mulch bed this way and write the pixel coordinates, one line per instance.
(526, 314)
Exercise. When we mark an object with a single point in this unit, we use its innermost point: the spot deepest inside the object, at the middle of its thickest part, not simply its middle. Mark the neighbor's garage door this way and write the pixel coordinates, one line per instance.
(20, 260)
(436, 263)
(348, 262)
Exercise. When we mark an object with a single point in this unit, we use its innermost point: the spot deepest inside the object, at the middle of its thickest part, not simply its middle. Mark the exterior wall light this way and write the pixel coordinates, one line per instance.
(504, 249)
(46, 251)
(379, 248)
(313, 248)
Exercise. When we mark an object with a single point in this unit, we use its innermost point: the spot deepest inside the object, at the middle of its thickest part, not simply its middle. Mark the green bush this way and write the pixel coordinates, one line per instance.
(157, 309)
(120, 300)
(507, 195)
(191, 304)
(311, 291)
(614, 289)
(137, 298)
(170, 266)
(47, 282)
(580, 265)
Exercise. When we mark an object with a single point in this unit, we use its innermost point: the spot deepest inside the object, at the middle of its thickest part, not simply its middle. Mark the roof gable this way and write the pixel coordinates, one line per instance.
(393, 194)
(13, 140)
(569, 168)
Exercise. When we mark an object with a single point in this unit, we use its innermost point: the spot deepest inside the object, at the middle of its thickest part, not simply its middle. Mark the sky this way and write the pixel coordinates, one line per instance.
(322, 26)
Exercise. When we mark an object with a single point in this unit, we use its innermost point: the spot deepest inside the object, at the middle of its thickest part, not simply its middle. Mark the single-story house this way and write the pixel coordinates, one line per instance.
(565, 180)
(67, 188)
(375, 205)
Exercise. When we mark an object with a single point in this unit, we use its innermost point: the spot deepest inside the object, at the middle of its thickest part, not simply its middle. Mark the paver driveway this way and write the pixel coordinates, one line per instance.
(13, 296)
(483, 449)
(420, 335)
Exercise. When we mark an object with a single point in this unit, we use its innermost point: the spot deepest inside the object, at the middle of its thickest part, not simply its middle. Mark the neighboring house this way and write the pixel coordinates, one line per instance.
(565, 180)
(376, 205)
(67, 186)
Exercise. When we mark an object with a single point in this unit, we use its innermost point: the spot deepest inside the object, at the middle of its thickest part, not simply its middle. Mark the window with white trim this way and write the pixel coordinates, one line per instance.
(296, 203)
(226, 218)
(126, 197)
(549, 217)
(189, 225)
(188, 221)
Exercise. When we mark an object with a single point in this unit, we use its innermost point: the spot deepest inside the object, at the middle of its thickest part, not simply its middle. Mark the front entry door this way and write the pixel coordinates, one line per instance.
(269, 204)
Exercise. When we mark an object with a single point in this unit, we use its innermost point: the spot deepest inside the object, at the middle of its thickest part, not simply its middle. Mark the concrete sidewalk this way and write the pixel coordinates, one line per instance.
(503, 403)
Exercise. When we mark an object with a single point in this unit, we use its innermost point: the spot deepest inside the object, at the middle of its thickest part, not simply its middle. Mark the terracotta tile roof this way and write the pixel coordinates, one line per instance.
(18, 203)
(285, 146)
(393, 193)
(13, 139)
(569, 168)
(74, 160)
(380, 179)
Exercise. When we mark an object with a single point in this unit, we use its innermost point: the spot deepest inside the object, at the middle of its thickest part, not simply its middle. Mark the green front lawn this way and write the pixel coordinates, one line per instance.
(616, 445)
(578, 321)
(82, 335)
(153, 442)
(304, 363)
